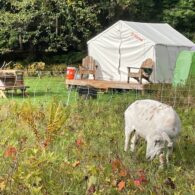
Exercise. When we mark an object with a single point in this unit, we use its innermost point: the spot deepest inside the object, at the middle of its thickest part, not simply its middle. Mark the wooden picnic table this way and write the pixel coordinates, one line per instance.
(12, 80)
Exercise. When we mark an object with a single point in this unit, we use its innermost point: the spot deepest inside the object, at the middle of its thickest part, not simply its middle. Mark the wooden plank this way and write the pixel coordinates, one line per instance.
(11, 71)
(100, 84)
(13, 87)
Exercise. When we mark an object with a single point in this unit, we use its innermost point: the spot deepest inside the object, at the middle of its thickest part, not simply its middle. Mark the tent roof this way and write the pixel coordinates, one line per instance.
(158, 33)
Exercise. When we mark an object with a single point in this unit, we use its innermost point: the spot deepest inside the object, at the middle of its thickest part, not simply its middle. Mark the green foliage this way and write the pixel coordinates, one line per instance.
(58, 26)
(57, 69)
(15, 66)
(35, 68)
(69, 58)
(46, 25)
(181, 16)
(57, 118)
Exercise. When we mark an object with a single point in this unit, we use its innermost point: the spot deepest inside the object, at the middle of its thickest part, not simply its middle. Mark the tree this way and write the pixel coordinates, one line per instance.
(64, 25)
(46, 25)
(182, 16)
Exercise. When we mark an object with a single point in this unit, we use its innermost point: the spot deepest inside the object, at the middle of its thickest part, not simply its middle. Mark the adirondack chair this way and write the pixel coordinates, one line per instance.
(144, 71)
(88, 67)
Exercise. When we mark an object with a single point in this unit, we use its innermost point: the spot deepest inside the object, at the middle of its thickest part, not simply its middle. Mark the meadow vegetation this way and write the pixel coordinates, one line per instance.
(50, 147)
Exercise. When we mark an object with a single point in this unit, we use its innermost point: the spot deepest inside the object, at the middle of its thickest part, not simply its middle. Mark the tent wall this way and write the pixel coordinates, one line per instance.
(129, 44)
(166, 57)
(104, 50)
(117, 49)
(134, 49)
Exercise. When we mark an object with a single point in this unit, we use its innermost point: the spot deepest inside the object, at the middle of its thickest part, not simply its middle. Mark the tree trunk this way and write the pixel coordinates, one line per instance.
(20, 41)
(57, 25)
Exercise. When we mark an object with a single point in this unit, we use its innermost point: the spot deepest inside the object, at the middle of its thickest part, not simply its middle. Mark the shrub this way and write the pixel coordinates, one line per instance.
(35, 68)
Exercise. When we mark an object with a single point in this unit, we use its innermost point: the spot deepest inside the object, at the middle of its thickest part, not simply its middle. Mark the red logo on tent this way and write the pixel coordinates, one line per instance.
(136, 36)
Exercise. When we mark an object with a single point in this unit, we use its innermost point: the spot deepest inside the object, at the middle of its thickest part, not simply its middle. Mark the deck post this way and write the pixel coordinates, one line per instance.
(2, 94)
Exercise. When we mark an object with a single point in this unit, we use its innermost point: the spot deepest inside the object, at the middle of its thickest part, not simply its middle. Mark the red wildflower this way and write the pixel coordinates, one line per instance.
(10, 152)
(137, 182)
(79, 142)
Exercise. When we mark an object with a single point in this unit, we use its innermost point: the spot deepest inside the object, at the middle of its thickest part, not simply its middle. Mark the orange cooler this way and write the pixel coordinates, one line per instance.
(70, 74)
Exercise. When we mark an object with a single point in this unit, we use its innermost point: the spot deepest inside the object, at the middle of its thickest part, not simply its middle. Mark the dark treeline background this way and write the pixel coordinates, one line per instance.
(47, 29)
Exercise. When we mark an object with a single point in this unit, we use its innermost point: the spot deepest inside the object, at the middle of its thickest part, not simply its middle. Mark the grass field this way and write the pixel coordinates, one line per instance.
(49, 147)
(42, 89)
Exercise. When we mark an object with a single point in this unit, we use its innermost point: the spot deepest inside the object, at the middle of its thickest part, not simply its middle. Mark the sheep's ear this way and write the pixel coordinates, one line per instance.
(156, 141)
(167, 138)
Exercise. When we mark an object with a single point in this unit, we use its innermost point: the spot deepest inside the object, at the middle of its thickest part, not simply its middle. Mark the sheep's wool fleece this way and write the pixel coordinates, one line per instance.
(149, 115)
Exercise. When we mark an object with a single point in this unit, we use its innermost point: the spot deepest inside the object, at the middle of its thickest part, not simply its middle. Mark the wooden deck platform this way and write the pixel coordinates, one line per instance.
(105, 85)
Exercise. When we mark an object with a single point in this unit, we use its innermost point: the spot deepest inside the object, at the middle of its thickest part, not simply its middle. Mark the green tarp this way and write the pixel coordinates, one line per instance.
(185, 67)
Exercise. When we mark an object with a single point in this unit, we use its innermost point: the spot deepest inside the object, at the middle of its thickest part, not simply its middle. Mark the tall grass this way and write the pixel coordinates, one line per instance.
(49, 147)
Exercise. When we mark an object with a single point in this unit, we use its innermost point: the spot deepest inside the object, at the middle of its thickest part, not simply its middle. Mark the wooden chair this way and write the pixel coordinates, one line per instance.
(88, 67)
(144, 71)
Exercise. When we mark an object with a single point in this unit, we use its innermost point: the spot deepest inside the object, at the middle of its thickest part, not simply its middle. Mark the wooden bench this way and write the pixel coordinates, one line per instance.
(144, 71)
(12, 80)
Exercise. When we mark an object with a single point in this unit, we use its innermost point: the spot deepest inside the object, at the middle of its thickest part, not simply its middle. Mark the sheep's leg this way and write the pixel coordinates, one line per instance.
(169, 152)
(162, 161)
(169, 146)
(163, 157)
(127, 137)
(128, 132)
(133, 142)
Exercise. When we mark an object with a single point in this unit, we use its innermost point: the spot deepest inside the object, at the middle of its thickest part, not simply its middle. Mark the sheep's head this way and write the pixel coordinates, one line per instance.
(155, 146)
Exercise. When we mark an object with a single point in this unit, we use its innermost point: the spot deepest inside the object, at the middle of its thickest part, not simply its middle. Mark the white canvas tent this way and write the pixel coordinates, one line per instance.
(130, 43)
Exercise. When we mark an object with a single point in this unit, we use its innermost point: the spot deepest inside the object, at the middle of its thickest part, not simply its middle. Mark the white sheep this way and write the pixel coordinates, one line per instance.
(154, 121)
